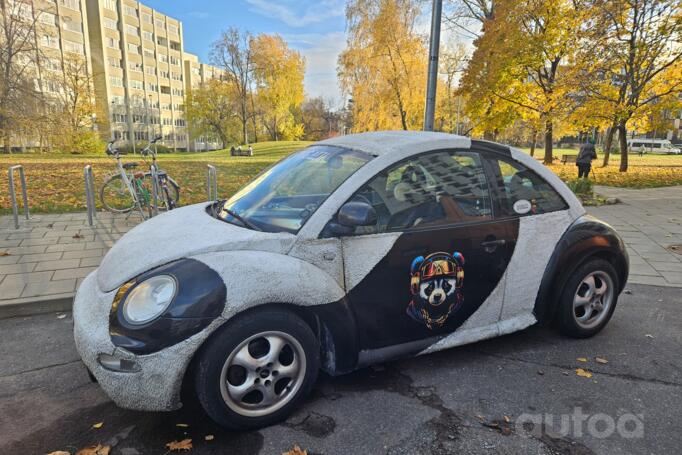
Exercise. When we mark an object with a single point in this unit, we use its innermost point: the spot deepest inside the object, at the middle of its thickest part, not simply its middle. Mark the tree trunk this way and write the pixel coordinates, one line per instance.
(622, 139)
(608, 141)
(533, 140)
(549, 129)
(7, 143)
(245, 121)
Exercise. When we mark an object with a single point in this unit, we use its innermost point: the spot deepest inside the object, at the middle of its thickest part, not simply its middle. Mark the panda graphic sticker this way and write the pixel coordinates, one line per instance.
(436, 286)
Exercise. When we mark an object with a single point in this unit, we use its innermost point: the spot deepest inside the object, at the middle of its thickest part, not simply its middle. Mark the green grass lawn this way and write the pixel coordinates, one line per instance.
(55, 181)
(633, 158)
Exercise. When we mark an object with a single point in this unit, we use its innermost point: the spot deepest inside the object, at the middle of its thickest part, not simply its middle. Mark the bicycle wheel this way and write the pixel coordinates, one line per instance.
(115, 195)
(173, 189)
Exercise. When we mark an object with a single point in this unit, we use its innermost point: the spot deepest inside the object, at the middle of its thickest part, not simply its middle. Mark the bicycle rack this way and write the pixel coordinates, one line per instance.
(90, 194)
(211, 183)
(13, 194)
(155, 190)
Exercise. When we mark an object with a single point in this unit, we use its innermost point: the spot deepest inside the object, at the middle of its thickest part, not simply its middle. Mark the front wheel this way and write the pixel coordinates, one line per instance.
(255, 370)
(588, 299)
(115, 195)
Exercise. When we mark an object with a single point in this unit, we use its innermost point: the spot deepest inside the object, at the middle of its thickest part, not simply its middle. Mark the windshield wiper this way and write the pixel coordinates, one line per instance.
(243, 220)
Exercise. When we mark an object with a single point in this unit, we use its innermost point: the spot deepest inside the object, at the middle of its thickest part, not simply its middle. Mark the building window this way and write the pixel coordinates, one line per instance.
(132, 30)
(116, 81)
(119, 118)
(163, 73)
(113, 43)
(137, 85)
(73, 26)
(111, 23)
(152, 87)
(50, 41)
(133, 48)
(160, 23)
(137, 67)
(179, 122)
(47, 18)
(165, 90)
(148, 52)
(146, 17)
(149, 36)
(71, 4)
(175, 61)
(163, 58)
(114, 62)
(178, 92)
(52, 64)
(173, 29)
(150, 70)
(71, 46)
(176, 76)
(167, 121)
(130, 10)
(110, 4)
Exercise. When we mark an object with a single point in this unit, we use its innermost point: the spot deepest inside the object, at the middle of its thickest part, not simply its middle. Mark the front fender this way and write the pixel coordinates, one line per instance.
(257, 277)
(587, 236)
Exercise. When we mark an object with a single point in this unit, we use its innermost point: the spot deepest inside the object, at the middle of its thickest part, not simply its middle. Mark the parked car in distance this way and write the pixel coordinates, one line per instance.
(355, 250)
(662, 146)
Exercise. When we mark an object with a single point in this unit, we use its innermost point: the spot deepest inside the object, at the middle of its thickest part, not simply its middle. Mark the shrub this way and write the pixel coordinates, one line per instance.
(581, 187)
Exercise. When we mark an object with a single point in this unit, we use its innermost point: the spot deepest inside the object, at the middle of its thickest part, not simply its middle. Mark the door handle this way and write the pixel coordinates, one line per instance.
(491, 245)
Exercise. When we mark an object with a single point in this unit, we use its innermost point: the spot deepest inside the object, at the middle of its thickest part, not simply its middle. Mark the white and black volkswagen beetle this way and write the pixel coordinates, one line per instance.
(355, 250)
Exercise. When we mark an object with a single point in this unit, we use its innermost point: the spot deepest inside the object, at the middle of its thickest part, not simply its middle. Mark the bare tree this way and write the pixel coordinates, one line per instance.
(232, 53)
(468, 16)
(19, 55)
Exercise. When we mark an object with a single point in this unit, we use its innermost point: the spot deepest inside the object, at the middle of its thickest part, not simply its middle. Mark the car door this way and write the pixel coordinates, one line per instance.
(434, 256)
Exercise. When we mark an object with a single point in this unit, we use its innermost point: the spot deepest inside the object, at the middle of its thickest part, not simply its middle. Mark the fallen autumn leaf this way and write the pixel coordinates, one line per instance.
(176, 446)
(296, 450)
(600, 360)
(582, 359)
(95, 450)
(583, 373)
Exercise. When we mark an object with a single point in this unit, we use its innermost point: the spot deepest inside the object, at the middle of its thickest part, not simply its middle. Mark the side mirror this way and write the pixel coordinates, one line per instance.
(353, 214)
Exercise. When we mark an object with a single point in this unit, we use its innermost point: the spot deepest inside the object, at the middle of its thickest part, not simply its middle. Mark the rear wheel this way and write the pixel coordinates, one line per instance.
(588, 299)
(256, 369)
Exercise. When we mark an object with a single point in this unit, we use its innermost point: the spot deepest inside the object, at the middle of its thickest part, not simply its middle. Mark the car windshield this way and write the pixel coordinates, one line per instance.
(283, 197)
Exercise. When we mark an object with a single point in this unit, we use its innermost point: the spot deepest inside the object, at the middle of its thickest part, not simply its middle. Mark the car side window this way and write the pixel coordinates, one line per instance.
(523, 192)
(433, 189)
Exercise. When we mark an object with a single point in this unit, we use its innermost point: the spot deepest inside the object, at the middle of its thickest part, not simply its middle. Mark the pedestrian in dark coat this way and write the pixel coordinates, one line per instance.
(586, 154)
(232, 149)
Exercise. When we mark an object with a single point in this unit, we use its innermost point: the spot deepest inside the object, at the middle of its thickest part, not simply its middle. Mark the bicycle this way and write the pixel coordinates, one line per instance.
(128, 190)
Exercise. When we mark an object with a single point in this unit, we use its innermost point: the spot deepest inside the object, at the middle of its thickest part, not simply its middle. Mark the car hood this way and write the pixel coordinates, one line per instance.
(183, 232)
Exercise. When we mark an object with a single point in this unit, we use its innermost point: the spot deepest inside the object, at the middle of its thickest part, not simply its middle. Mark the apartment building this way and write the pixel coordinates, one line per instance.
(59, 31)
(137, 61)
(196, 74)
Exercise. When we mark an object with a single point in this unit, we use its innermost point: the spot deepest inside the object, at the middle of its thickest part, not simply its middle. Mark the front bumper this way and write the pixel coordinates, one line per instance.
(154, 383)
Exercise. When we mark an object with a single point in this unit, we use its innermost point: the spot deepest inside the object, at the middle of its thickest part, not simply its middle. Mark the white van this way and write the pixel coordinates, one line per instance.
(652, 146)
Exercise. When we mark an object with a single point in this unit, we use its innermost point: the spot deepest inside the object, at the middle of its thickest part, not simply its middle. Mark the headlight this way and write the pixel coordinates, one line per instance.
(149, 299)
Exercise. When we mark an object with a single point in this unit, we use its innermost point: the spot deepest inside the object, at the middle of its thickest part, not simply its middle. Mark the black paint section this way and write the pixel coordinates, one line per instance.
(338, 337)
(487, 146)
(586, 237)
(379, 302)
(200, 298)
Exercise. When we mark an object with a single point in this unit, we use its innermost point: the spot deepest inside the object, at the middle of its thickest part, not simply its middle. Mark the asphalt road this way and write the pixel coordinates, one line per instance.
(489, 398)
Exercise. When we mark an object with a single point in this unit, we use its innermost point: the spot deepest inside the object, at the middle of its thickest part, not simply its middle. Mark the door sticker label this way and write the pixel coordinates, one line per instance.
(436, 285)
(522, 206)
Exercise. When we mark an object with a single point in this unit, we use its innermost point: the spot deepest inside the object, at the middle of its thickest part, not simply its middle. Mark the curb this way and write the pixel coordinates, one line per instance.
(32, 306)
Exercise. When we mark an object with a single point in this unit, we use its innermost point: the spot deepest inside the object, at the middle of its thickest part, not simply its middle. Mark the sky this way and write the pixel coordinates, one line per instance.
(316, 28)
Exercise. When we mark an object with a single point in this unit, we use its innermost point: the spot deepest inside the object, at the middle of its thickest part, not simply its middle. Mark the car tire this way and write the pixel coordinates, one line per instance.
(256, 369)
(588, 299)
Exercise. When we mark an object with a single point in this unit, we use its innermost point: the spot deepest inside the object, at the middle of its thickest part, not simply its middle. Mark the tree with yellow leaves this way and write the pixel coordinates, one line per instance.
(212, 110)
(384, 65)
(278, 73)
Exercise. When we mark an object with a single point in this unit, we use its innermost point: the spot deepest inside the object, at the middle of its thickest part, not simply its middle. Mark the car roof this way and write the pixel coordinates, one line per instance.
(385, 142)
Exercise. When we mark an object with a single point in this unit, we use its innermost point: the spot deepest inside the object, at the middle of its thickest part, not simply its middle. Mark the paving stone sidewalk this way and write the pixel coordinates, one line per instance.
(50, 255)
(43, 262)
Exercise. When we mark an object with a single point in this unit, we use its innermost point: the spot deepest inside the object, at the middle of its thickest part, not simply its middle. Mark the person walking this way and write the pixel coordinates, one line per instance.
(250, 151)
(232, 150)
(586, 154)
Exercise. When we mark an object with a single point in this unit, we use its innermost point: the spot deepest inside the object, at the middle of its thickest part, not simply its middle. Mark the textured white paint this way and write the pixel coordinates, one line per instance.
(157, 386)
(270, 278)
(538, 237)
(177, 234)
(363, 253)
(324, 253)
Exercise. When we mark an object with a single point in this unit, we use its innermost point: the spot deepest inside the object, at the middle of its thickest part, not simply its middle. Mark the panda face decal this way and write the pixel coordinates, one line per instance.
(436, 286)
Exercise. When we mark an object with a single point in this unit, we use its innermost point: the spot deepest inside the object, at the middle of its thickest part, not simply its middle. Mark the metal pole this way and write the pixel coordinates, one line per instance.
(211, 183)
(13, 194)
(155, 190)
(89, 193)
(430, 110)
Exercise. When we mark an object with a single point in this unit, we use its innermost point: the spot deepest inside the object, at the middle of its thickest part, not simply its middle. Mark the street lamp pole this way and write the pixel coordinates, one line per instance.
(430, 110)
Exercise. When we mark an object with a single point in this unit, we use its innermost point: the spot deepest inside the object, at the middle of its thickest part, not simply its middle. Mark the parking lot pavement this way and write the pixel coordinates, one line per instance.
(473, 399)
